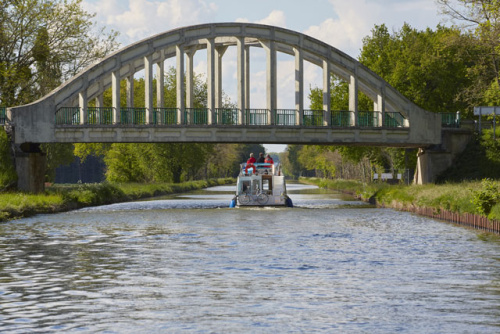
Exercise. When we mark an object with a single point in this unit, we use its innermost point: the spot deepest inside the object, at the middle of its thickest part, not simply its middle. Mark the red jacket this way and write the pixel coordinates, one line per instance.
(269, 160)
(251, 160)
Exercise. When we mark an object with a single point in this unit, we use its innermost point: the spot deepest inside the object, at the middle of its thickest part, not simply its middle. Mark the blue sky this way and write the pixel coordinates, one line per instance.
(340, 23)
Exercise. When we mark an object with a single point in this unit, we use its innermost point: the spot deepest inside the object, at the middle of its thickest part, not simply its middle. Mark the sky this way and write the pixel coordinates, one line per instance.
(340, 23)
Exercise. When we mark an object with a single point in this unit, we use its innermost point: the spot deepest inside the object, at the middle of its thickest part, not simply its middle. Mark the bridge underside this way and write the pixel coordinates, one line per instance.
(237, 134)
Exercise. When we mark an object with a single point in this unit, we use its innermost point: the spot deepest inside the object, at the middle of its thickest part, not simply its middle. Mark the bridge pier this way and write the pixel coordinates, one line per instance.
(434, 160)
(30, 168)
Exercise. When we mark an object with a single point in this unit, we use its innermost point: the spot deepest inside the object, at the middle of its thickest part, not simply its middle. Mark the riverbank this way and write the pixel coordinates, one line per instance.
(59, 198)
(473, 203)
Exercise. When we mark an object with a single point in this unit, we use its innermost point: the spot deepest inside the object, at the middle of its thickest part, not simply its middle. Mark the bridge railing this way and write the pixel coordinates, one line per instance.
(313, 118)
(342, 118)
(450, 119)
(133, 116)
(67, 116)
(196, 116)
(256, 117)
(394, 120)
(99, 115)
(226, 116)
(285, 116)
(230, 116)
(165, 116)
(3, 116)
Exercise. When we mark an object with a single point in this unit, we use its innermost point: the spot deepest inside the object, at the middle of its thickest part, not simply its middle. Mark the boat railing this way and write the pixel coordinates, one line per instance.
(260, 168)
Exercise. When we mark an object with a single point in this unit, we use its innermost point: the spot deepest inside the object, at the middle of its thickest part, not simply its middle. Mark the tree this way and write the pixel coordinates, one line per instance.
(480, 24)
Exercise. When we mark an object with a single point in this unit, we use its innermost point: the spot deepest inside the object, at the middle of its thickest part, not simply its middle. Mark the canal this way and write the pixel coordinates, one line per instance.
(190, 264)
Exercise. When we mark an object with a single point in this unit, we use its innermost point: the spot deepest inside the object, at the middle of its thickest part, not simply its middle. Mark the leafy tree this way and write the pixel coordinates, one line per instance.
(8, 175)
(44, 43)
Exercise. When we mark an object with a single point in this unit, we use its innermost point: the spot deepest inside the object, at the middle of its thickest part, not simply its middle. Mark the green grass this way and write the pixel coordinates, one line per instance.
(67, 197)
(455, 197)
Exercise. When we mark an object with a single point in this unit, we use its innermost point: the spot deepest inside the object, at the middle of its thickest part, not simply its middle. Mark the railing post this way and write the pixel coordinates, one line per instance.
(179, 52)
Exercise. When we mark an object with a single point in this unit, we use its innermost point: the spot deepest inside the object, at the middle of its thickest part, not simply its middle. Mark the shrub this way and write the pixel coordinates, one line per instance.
(486, 197)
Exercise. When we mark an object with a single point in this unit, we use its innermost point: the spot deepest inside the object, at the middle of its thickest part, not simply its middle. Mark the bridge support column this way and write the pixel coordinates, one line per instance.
(299, 86)
(241, 77)
(82, 97)
(130, 90)
(211, 80)
(271, 69)
(148, 89)
(219, 53)
(247, 78)
(380, 107)
(327, 121)
(353, 100)
(179, 52)
(30, 168)
(115, 95)
(189, 78)
(160, 81)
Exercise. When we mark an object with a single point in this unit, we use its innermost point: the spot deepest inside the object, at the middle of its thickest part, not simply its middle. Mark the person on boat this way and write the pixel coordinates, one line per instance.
(251, 160)
(269, 160)
(261, 158)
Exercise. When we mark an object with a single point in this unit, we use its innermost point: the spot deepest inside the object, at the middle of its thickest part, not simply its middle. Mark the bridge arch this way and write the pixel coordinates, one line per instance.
(38, 122)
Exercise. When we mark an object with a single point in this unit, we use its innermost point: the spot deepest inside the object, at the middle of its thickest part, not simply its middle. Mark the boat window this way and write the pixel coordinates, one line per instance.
(255, 187)
(245, 186)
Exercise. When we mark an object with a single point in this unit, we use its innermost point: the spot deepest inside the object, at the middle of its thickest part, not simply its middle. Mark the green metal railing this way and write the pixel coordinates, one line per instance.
(226, 116)
(450, 119)
(3, 116)
(165, 116)
(256, 117)
(394, 120)
(134, 116)
(341, 118)
(313, 118)
(285, 116)
(367, 118)
(102, 115)
(196, 116)
(68, 116)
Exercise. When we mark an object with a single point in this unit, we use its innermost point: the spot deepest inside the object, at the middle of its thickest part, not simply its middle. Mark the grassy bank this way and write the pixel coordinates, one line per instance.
(60, 198)
(473, 197)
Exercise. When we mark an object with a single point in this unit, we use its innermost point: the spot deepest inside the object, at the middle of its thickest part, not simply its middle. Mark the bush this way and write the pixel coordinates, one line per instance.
(485, 198)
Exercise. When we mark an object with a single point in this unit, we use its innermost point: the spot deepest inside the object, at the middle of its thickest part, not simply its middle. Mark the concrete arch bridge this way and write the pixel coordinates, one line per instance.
(67, 116)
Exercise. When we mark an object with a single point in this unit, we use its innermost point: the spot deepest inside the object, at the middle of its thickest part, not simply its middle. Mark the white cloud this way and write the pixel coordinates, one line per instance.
(275, 18)
(138, 19)
(356, 18)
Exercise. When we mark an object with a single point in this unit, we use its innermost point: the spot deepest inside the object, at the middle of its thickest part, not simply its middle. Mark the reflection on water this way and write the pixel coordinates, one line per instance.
(190, 264)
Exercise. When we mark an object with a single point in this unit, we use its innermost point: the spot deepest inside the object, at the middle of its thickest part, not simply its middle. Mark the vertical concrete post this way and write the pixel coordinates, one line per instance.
(130, 91)
(353, 99)
(299, 86)
(160, 81)
(148, 89)
(99, 103)
(380, 106)
(271, 81)
(82, 102)
(115, 95)
(247, 83)
(240, 77)
(30, 168)
(219, 53)
(211, 79)
(179, 53)
(327, 120)
(189, 82)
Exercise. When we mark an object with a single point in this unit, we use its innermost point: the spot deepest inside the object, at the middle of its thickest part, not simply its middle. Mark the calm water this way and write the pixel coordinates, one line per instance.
(190, 264)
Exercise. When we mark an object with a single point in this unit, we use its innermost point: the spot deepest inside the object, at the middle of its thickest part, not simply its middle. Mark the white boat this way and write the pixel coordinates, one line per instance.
(261, 184)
